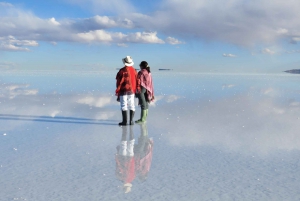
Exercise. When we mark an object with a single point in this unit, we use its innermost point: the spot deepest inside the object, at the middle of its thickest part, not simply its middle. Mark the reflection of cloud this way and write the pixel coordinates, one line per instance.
(227, 86)
(12, 90)
(247, 123)
(95, 102)
(166, 98)
(171, 98)
(229, 55)
(19, 99)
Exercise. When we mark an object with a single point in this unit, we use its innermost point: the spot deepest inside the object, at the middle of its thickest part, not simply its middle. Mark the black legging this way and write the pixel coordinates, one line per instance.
(142, 99)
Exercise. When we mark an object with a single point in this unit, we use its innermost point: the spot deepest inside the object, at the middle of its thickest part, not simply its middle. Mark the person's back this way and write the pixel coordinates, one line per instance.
(126, 88)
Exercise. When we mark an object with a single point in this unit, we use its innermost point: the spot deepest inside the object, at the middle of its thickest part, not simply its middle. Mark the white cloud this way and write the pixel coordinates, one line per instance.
(53, 43)
(98, 35)
(118, 37)
(122, 45)
(10, 43)
(229, 55)
(244, 23)
(53, 21)
(295, 40)
(268, 51)
(173, 41)
(143, 37)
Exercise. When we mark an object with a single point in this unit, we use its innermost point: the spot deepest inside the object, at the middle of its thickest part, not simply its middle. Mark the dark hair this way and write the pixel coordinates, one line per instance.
(144, 65)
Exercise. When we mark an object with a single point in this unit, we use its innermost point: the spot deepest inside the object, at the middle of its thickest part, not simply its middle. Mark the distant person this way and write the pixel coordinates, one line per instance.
(145, 92)
(126, 88)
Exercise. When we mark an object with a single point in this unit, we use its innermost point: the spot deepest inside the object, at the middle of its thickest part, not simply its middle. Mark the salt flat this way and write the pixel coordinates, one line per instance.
(214, 137)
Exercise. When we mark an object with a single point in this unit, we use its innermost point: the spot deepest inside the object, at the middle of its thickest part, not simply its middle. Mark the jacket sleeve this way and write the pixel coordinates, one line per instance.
(138, 83)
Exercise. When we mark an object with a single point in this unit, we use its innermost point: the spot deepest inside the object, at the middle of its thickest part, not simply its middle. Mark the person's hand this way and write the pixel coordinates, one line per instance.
(118, 99)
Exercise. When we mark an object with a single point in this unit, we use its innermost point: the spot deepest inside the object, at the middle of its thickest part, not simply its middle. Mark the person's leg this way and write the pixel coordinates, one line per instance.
(131, 107)
(144, 105)
(124, 108)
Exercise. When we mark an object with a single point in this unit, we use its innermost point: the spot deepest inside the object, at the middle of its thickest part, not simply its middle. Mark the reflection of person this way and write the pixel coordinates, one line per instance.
(145, 92)
(133, 160)
(125, 165)
(143, 154)
(126, 88)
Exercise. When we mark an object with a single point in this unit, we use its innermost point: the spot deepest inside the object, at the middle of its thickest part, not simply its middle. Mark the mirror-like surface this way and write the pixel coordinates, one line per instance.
(208, 137)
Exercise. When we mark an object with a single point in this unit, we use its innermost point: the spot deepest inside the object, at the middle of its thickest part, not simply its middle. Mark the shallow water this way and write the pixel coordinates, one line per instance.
(208, 137)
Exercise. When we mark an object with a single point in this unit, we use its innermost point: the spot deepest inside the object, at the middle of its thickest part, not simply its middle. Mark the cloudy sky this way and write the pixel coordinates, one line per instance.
(205, 36)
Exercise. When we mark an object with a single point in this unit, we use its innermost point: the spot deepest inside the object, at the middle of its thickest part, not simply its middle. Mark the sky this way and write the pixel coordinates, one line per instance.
(232, 36)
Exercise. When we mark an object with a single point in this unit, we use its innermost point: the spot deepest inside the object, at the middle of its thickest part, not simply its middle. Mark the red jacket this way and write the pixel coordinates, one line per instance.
(126, 81)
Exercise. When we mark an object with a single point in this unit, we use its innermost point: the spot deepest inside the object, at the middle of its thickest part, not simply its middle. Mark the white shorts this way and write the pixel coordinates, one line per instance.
(127, 102)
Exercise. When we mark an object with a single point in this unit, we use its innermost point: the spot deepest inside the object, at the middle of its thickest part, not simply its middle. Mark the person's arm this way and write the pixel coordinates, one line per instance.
(138, 83)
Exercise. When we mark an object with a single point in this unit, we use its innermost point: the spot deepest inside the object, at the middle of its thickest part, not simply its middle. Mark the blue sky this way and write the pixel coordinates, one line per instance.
(196, 35)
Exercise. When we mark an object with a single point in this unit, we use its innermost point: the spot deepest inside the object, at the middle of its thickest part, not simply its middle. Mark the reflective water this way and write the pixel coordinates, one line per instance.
(208, 137)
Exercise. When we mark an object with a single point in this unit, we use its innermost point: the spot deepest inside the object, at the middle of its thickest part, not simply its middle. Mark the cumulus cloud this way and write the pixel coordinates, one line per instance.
(229, 55)
(10, 43)
(268, 51)
(295, 40)
(122, 45)
(244, 23)
(106, 37)
(28, 29)
(173, 41)
(53, 21)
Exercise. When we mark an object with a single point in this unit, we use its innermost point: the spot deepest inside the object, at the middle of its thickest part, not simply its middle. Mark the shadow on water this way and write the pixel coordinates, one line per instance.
(68, 120)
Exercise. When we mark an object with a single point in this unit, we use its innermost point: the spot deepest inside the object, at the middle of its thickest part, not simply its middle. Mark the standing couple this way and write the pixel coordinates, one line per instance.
(131, 83)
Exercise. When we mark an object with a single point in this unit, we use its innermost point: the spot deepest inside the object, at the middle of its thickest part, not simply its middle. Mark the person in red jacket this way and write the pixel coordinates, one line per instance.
(126, 88)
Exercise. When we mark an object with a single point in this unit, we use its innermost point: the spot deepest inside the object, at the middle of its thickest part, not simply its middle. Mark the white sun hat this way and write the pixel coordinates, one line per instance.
(128, 61)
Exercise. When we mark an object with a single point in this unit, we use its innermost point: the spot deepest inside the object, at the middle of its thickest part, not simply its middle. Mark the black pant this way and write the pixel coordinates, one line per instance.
(142, 99)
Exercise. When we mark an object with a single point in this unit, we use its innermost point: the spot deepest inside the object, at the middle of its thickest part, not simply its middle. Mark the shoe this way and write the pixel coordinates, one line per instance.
(143, 117)
(131, 115)
(124, 117)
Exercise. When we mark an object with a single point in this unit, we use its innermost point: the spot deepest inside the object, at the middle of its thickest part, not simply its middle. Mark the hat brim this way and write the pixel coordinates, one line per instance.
(127, 64)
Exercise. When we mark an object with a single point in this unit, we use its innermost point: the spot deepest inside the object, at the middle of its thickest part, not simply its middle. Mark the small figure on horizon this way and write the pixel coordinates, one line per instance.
(126, 88)
(145, 92)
